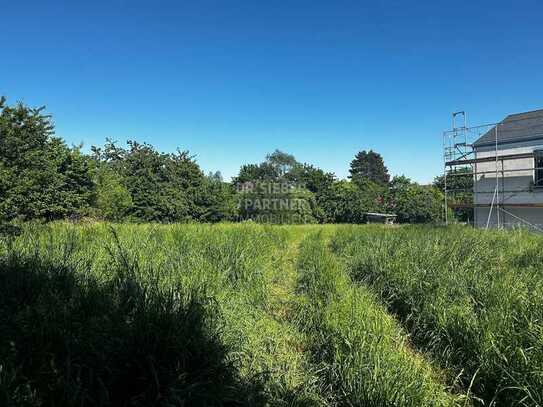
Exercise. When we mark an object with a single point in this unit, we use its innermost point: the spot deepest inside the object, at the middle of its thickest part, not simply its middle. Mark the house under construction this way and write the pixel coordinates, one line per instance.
(504, 162)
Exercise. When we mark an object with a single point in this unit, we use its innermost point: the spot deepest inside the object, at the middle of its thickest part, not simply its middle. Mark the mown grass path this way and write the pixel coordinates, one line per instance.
(301, 378)
(360, 352)
(339, 345)
(260, 315)
(269, 346)
(471, 299)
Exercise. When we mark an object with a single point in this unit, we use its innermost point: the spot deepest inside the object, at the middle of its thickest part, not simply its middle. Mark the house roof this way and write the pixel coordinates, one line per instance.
(515, 128)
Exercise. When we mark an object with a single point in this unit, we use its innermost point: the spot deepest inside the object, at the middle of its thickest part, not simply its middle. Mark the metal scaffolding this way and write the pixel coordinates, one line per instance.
(487, 172)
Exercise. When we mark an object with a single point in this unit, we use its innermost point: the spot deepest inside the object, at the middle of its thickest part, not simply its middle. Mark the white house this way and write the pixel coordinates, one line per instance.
(508, 173)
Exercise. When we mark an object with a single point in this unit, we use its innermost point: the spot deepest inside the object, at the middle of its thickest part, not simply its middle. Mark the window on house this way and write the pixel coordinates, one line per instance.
(538, 170)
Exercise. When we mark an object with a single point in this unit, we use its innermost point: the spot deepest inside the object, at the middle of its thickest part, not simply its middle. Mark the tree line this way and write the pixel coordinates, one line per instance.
(42, 178)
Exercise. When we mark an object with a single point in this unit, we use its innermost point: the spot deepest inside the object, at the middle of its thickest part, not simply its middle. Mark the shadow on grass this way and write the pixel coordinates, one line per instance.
(68, 340)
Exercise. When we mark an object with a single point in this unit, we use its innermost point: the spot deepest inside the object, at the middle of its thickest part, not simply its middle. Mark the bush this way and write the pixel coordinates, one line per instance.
(277, 202)
(414, 203)
(347, 202)
(113, 202)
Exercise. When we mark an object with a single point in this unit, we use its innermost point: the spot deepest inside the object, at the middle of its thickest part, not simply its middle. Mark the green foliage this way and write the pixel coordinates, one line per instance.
(252, 172)
(206, 314)
(113, 201)
(276, 202)
(163, 187)
(40, 177)
(460, 187)
(69, 339)
(91, 318)
(9, 230)
(414, 203)
(346, 202)
(316, 181)
(275, 191)
(281, 162)
(276, 167)
(312, 178)
(369, 166)
(216, 200)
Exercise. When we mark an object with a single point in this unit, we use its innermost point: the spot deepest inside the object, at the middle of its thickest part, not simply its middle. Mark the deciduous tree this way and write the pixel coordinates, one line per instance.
(414, 203)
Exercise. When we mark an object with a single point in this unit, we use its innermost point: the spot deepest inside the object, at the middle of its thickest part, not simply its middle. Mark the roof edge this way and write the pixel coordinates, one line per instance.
(510, 141)
(521, 113)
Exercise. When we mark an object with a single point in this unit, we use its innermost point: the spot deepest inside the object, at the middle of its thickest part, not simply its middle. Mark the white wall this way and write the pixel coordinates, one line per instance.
(514, 187)
(530, 216)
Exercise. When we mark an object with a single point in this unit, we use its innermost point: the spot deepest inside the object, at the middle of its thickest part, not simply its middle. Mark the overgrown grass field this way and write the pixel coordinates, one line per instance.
(255, 315)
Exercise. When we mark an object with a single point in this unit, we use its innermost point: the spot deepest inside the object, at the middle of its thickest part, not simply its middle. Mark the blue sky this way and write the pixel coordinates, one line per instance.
(233, 80)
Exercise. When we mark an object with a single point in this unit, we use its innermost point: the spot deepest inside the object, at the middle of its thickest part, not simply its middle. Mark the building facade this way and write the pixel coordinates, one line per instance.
(504, 163)
(508, 173)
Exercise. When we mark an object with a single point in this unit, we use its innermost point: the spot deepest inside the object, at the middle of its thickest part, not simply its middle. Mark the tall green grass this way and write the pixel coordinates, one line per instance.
(68, 340)
(471, 298)
(178, 315)
(130, 290)
(364, 357)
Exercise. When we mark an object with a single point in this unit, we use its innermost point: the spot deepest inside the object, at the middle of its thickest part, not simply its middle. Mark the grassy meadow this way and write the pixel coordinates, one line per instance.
(243, 314)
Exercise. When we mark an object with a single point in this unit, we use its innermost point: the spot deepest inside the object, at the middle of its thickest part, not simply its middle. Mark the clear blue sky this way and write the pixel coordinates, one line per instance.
(233, 80)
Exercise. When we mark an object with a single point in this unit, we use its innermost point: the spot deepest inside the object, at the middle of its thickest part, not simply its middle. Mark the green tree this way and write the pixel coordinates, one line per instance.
(216, 200)
(316, 181)
(313, 178)
(163, 187)
(347, 202)
(113, 201)
(255, 172)
(460, 187)
(414, 203)
(275, 191)
(41, 177)
(369, 165)
(277, 203)
(277, 166)
(281, 162)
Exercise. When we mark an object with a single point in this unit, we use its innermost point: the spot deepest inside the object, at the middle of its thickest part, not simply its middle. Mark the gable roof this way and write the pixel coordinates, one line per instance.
(515, 128)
